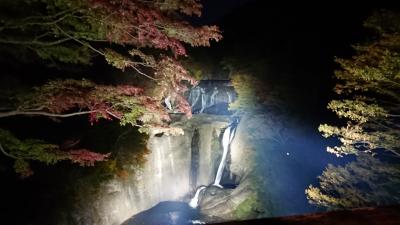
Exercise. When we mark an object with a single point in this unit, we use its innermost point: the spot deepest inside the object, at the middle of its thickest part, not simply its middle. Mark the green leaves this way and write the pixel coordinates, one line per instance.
(245, 86)
(23, 151)
(65, 54)
(132, 116)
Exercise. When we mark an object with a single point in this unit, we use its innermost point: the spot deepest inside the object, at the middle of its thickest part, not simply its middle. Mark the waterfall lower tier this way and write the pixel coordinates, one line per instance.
(176, 166)
(227, 139)
(194, 202)
(194, 162)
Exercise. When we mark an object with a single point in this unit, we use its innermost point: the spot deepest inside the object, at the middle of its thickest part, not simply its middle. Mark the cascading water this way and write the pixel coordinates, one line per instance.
(208, 136)
(227, 139)
(203, 100)
(212, 97)
(194, 202)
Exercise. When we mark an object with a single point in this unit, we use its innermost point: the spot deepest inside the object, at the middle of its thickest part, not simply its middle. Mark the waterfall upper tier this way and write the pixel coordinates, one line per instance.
(212, 97)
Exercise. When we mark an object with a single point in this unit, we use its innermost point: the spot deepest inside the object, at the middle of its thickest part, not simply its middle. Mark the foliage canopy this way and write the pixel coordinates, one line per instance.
(144, 36)
(369, 83)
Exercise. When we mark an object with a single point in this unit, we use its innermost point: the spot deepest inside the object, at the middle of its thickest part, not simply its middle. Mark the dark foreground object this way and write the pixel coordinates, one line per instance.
(388, 215)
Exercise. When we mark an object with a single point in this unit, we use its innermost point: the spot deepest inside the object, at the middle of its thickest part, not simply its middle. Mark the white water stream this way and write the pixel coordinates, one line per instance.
(195, 200)
(227, 138)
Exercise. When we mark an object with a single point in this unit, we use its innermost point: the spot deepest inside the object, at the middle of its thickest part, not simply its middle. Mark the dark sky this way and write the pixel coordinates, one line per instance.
(298, 41)
(215, 10)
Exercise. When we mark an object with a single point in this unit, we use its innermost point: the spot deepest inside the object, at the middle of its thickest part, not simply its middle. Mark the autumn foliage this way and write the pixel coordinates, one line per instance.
(146, 37)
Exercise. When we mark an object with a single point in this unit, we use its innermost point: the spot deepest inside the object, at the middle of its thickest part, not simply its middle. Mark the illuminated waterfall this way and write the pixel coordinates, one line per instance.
(226, 140)
(194, 96)
(203, 100)
(194, 202)
(212, 98)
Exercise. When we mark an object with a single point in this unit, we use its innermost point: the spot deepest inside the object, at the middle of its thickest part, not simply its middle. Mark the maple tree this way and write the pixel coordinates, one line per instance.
(370, 83)
(146, 37)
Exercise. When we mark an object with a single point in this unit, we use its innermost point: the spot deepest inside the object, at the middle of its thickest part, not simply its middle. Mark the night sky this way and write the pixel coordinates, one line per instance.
(299, 41)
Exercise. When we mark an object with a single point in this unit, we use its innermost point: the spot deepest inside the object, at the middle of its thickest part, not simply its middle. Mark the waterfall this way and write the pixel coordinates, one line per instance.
(203, 100)
(194, 159)
(212, 99)
(226, 140)
(229, 97)
(194, 96)
(167, 102)
(194, 202)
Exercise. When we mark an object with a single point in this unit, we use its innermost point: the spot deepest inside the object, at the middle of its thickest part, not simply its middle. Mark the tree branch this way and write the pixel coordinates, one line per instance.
(36, 113)
(79, 41)
(6, 153)
(45, 23)
(140, 72)
(33, 42)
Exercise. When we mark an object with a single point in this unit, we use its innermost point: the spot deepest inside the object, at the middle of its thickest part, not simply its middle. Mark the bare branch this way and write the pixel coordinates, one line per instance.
(6, 153)
(34, 113)
(79, 41)
(34, 42)
(140, 72)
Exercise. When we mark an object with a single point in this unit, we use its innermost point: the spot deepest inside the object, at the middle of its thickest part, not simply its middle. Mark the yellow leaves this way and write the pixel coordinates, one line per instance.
(356, 110)
(245, 86)
(117, 60)
(315, 196)
(345, 186)
(353, 138)
(148, 60)
(370, 81)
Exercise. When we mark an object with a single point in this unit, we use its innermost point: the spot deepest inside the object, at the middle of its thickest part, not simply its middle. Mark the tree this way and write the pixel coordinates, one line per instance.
(365, 182)
(144, 36)
(370, 84)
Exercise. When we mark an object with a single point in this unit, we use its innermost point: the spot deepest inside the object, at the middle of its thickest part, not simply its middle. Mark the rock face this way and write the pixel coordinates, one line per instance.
(253, 166)
(222, 204)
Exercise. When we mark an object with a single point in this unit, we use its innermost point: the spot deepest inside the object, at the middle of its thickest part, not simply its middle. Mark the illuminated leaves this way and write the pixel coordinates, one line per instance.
(365, 182)
(23, 151)
(356, 110)
(247, 96)
(85, 157)
(68, 31)
(129, 35)
(369, 82)
(152, 24)
(72, 97)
